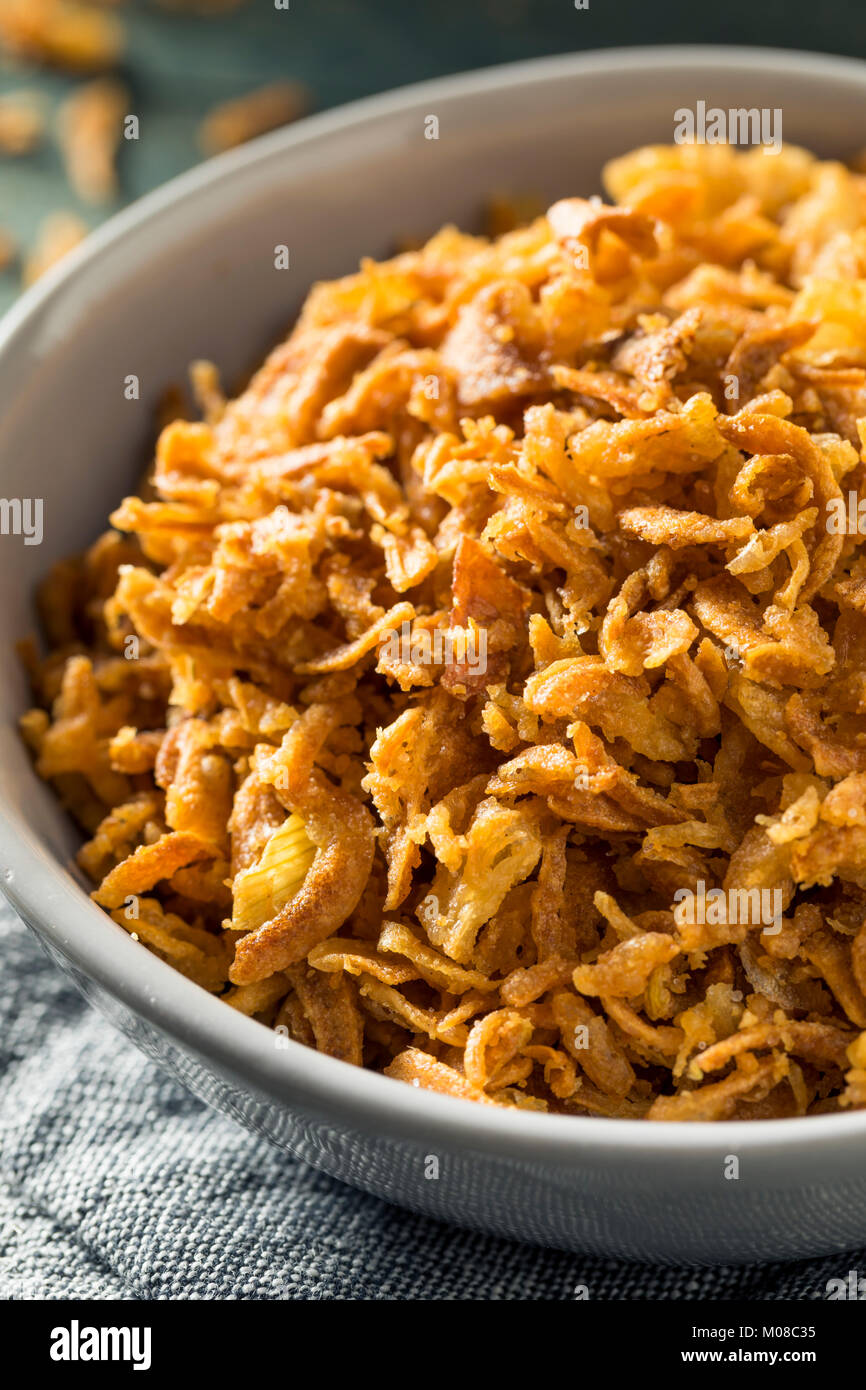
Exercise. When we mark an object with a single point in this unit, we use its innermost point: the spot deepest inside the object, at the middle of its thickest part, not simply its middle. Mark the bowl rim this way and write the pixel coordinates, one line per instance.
(60, 910)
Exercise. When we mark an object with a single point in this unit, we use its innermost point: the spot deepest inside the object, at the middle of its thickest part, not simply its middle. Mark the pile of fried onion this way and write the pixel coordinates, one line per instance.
(450, 699)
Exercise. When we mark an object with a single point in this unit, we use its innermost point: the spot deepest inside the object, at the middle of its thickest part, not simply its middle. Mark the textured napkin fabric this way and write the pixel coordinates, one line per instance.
(115, 1183)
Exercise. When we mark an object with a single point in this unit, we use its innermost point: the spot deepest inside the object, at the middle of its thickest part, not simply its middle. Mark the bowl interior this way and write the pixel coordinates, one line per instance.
(190, 272)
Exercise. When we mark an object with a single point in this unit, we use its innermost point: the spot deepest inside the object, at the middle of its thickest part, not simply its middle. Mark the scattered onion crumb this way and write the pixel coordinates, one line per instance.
(59, 233)
(61, 33)
(234, 122)
(22, 122)
(8, 249)
(90, 124)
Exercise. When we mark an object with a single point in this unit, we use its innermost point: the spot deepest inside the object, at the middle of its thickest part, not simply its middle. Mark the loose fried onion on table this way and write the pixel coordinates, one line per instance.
(421, 679)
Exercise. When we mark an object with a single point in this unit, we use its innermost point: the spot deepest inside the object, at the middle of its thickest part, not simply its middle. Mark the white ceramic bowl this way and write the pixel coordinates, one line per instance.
(189, 272)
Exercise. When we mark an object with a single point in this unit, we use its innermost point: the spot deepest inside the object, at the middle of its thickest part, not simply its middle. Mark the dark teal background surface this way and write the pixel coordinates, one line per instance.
(178, 65)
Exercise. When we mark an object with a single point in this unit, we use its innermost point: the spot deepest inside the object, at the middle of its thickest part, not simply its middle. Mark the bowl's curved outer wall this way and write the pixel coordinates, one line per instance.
(189, 272)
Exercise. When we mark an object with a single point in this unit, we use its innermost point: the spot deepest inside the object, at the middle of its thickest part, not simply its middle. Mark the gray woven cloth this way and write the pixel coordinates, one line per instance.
(115, 1183)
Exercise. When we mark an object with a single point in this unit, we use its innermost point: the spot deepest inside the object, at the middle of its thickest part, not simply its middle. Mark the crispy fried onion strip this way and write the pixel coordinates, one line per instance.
(338, 825)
